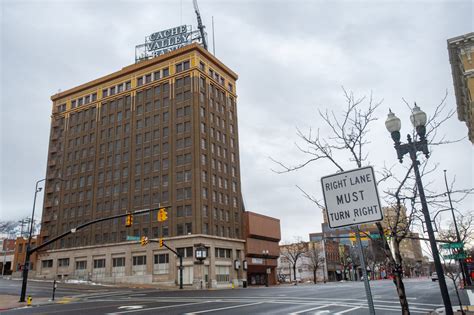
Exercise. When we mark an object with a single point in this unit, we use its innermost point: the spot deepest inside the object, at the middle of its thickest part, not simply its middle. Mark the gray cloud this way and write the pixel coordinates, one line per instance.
(292, 58)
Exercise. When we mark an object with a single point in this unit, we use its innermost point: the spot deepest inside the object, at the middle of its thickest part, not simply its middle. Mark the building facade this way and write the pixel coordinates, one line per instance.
(461, 58)
(311, 265)
(161, 132)
(20, 254)
(261, 248)
(7, 255)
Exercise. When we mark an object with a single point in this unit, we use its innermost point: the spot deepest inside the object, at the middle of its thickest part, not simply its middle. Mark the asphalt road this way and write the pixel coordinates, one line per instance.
(331, 298)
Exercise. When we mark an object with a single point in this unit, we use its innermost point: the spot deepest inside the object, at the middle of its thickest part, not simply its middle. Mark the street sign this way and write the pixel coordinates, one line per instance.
(133, 238)
(452, 245)
(351, 197)
(456, 256)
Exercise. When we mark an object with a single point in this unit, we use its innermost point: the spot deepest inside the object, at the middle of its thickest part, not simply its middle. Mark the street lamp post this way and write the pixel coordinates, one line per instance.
(265, 255)
(418, 119)
(26, 265)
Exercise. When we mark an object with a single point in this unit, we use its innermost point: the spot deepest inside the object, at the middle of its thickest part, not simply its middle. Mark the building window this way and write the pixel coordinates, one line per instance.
(188, 228)
(139, 265)
(161, 264)
(222, 273)
(81, 265)
(222, 252)
(63, 262)
(182, 66)
(47, 263)
(185, 252)
(139, 260)
(166, 72)
(99, 263)
(118, 262)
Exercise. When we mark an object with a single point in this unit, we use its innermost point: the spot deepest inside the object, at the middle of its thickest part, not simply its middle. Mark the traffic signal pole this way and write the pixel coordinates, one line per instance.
(30, 251)
(177, 254)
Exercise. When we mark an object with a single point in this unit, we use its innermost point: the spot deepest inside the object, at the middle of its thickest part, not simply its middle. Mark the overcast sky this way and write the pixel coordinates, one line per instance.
(292, 58)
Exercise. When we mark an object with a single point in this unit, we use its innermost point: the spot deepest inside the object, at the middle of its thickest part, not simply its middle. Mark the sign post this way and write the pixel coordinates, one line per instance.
(351, 198)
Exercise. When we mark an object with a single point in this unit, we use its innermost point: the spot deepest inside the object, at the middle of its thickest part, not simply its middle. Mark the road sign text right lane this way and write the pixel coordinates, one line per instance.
(351, 197)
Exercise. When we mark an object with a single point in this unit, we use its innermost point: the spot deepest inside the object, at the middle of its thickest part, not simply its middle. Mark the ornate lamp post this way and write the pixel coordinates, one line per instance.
(393, 125)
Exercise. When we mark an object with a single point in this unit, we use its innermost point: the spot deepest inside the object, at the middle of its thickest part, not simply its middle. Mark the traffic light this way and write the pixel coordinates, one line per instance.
(161, 242)
(144, 240)
(469, 260)
(162, 215)
(129, 220)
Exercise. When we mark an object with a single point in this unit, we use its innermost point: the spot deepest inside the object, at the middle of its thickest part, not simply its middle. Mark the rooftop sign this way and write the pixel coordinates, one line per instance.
(165, 41)
(351, 197)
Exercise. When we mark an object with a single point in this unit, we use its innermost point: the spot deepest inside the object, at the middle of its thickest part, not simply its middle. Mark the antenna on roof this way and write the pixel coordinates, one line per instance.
(200, 26)
(213, 39)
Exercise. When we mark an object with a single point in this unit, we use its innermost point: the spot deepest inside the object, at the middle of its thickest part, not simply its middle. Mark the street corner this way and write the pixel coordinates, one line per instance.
(467, 310)
(8, 302)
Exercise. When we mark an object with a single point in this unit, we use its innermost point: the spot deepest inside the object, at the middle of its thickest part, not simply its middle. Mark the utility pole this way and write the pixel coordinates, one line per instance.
(462, 263)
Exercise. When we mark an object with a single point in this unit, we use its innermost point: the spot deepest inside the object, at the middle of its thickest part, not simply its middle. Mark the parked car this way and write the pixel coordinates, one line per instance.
(434, 276)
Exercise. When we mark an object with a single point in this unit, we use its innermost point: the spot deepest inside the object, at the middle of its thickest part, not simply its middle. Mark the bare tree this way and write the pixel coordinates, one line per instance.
(293, 252)
(374, 255)
(452, 271)
(316, 258)
(8, 227)
(465, 225)
(349, 135)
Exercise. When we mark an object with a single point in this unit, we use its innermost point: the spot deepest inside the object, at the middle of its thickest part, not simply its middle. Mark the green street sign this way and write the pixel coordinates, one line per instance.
(133, 238)
(455, 256)
(452, 245)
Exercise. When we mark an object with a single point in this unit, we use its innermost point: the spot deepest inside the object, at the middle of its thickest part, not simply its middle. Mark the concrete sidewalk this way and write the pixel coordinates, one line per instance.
(468, 310)
(11, 301)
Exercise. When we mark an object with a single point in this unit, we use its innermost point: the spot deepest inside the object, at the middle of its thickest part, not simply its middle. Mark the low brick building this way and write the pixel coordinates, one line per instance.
(262, 251)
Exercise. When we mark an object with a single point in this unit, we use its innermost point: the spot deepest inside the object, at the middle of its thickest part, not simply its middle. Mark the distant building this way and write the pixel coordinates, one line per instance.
(261, 248)
(7, 254)
(461, 58)
(7, 244)
(19, 256)
(305, 265)
(410, 246)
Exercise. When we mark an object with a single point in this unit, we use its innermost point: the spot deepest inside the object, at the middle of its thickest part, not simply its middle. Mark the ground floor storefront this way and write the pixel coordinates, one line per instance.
(261, 271)
(129, 262)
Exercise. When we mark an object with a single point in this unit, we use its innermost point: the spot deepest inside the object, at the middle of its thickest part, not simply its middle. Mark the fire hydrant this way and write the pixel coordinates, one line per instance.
(29, 299)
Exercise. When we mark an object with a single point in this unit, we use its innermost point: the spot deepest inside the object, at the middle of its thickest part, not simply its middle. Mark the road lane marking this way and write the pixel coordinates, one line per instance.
(130, 307)
(223, 308)
(159, 307)
(311, 309)
(345, 311)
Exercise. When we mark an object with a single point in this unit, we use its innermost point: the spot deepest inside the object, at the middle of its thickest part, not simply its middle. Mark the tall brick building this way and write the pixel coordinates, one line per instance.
(160, 132)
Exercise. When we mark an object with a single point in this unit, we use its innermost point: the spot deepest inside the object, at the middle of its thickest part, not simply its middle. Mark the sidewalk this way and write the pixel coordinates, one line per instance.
(11, 301)
(468, 310)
